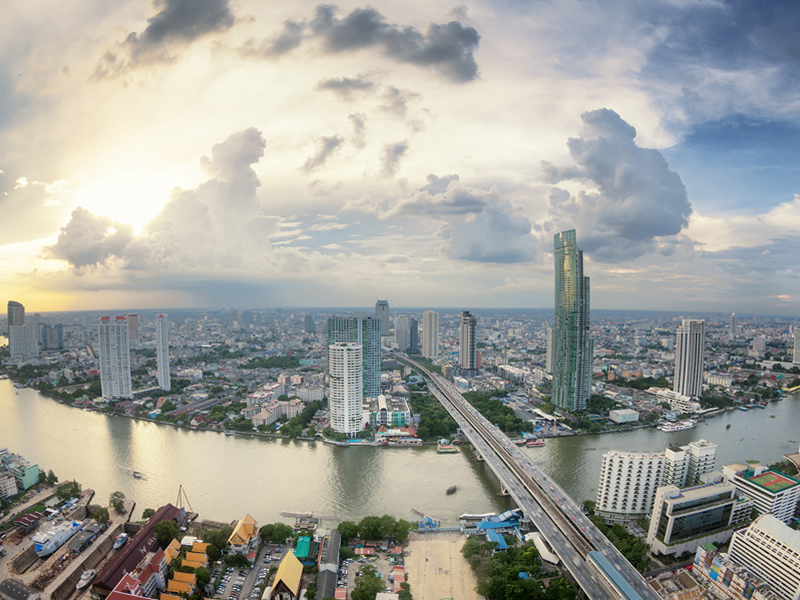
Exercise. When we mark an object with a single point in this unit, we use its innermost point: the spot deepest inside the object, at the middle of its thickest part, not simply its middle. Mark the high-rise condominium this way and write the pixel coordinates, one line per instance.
(796, 358)
(23, 338)
(382, 314)
(16, 313)
(115, 358)
(346, 387)
(690, 345)
(366, 332)
(413, 336)
(162, 352)
(133, 328)
(733, 326)
(467, 350)
(401, 332)
(572, 344)
(430, 334)
(548, 361)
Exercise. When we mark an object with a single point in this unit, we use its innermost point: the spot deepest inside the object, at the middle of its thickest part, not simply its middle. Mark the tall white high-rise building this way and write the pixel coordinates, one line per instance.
(402, 332)
(796, 357)
(430, 334)
(133, 328)
(548, 365)
(162, 352)
(467, 344)
(629, 480)
(771, 550)
(23, 341)
(690, 345)
(733, 326)
(346, 392)
(382, 314)
(16, 313)
(115, 358)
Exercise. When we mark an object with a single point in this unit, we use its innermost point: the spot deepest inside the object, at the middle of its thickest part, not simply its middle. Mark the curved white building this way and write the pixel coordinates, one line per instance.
(346, 387)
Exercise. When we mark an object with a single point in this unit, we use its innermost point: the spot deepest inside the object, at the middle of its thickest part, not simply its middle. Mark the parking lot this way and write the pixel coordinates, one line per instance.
(242, 583)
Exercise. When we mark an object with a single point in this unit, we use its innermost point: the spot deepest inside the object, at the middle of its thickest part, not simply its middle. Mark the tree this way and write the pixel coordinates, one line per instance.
(166, 531)
(68, 490)
(51, 478)
(348, 530)
(402, 530)
(101, 515)
(203, 576)
(276, 533)
(117, 501)
(213, 553)
(148, 512)
(368, 585)
(369, 528)
(216, 537)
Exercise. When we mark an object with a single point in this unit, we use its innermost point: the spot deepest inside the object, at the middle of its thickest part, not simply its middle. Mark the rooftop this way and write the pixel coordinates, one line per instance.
(774, 481)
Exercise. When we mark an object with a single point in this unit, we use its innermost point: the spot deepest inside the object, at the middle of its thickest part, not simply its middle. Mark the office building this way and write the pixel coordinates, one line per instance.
(572, 344)
(346, 387)
(690, 345)
(309, 325)
(771, 550)
(382, 314)
(467, 350)
(430, 334)
(733, 326)
(133, 328)
(796, 357)
(16, 313)
(682, 519)
(759, 345)
(629, 480)
(366, 332)
(548, 365)
(115, 358)
(162, 352)
(413, 336)
(773, 492)
(401, 332)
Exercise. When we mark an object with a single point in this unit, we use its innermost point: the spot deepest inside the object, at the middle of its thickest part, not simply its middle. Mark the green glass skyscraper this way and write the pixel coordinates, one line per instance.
(572, 345)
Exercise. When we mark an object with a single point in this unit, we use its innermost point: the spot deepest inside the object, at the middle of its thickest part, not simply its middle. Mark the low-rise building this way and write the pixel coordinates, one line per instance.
(244, 539)
(623, 415)
(726, 579)
(288, 580)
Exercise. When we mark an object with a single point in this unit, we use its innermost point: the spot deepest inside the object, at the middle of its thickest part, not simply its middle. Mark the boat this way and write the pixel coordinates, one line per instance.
(416, 512)
(519, 442)
(122, 538)
(45, 543)
(137, 474)
(445, 447)
(230, 432)
(678, 426)
(534, 443)
(343, 444)
(452, 489)
(742, 408)
(476, 516)
(86, 579)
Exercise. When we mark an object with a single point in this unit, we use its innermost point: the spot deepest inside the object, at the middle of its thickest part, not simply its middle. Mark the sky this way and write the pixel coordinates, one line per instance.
(243, 154)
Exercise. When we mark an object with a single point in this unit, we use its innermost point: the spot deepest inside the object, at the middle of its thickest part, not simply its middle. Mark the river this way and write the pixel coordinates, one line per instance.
(226, 477)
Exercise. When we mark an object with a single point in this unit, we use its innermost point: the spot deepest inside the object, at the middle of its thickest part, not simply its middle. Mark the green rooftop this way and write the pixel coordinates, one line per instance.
(773, 481)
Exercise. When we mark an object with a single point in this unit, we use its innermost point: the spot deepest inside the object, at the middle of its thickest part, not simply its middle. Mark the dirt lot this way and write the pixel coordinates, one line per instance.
(437, 568)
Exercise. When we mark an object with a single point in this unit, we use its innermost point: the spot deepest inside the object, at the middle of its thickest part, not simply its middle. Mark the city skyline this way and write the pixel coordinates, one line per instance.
(219, 152)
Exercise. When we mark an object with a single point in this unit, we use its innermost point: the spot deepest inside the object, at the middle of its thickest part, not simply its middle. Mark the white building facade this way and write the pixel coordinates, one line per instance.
(690, 344)
(430, 334)
(115, 358)
(162, 352)
(346, 392)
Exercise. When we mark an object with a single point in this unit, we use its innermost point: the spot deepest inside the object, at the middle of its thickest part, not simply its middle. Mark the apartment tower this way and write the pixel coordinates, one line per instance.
(467, 350)
(115, 358)
(690, 345)
(430, 334)
(366, 332)
(572, 344)
(162, 352)
(382, 314)
(401, 333)
(346, 392)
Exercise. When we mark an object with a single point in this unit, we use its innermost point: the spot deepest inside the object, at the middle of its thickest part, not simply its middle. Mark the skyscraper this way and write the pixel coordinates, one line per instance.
(382, 314)
(346, 387)
(133, 328)
(548, 361)
(16, 313)
(572, 344)
(430, 334)
(467, 351)
(690, 345)
(309, 324)
(366, 332)
(733, 326)
(23, 338)
(162, 352)
(401, 332)
(115, 358)
(796, 357)
(413, 336)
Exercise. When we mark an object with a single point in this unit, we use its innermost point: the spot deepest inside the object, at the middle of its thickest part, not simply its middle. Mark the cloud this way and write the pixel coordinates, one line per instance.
(359, 121)
(635, 199)
(179, 23)
(345, 87)
(396, 101)
(437, 185)
(325, 149)
(276, 46)
(446, 48)
(390, 158)
(89, 239)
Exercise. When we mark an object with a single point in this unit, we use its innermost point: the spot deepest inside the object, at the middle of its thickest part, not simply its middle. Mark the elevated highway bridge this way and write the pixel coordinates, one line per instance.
(562, 523)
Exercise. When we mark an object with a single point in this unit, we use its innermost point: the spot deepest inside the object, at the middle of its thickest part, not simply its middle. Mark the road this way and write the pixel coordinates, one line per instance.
(562, 523)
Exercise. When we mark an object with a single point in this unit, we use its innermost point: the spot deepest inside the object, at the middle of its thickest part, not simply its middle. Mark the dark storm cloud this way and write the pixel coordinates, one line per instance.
(179, 23)
(447, 48)
(359, 121)
(638, 197)
(278, 45)
(345, 87)
(325, 149)
(390, 157)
